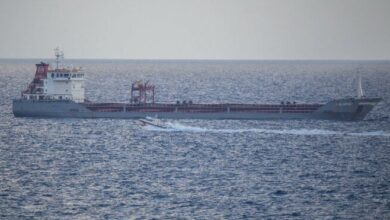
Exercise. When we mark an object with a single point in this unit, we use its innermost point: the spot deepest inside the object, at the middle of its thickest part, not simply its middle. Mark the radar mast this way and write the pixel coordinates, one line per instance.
(59, 56)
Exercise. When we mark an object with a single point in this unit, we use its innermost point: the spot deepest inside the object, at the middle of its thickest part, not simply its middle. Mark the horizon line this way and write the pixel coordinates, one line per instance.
(208, 59)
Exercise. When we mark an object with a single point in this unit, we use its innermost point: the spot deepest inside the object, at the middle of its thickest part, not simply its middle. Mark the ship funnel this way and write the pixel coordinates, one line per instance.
(359, 86)
(41, 71)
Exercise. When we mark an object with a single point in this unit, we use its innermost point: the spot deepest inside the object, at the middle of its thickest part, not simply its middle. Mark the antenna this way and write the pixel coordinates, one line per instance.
(359, 86)
(59, 56)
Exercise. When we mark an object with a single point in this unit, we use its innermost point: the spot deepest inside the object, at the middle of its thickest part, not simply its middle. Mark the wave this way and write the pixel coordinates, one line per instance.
(176, 127)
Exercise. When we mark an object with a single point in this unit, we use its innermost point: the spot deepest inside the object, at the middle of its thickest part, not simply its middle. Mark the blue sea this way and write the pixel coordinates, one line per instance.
(200, 169)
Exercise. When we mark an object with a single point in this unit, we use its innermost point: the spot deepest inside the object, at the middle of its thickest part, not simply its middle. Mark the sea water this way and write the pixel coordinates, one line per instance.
(204, 169)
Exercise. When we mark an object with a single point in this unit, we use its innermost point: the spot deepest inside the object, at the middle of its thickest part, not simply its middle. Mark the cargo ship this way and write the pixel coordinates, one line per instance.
(59, 93)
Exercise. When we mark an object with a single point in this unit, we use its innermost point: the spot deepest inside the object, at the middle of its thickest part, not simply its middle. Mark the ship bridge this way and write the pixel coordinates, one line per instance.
(60, 83)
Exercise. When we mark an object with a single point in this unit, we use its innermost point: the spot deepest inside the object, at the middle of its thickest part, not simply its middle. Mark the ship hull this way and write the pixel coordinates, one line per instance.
(343, 109)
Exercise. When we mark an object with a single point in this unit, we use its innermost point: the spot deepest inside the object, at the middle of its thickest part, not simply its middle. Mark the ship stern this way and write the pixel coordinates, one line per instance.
(17, 108)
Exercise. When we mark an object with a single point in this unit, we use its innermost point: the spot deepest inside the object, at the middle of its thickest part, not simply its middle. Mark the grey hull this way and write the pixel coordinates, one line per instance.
(342, 109)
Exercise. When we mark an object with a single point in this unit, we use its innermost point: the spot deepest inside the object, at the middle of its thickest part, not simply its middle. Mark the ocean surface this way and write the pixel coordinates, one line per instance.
(200, 169)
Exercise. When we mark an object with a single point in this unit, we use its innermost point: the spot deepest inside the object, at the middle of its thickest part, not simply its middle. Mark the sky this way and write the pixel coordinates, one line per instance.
(196, 29)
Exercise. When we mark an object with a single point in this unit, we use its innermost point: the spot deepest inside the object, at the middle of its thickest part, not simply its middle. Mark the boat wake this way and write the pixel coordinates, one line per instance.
(177, 127)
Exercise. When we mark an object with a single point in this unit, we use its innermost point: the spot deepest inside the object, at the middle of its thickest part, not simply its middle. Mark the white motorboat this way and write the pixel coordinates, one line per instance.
(155, 122)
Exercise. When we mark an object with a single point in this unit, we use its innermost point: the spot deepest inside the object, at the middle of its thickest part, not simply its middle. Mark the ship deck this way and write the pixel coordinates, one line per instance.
(203, 108)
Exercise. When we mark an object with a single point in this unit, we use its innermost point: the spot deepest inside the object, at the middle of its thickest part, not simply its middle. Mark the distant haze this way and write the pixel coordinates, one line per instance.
(196, 29)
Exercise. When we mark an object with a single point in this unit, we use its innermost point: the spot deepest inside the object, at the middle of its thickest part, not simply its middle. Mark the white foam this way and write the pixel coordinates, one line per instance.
(177, 127)
(371, 133)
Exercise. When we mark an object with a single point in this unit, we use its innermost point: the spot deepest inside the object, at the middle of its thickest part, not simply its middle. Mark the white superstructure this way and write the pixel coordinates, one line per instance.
(61, 83)
(64, 84)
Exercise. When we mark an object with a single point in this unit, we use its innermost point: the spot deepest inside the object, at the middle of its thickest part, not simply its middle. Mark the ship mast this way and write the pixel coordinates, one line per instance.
(359, 86)
(59, 56)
